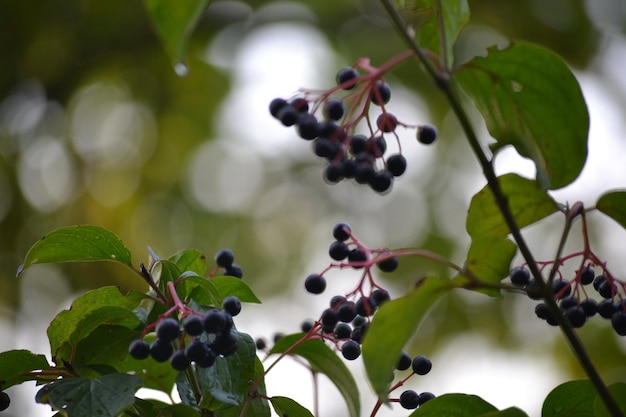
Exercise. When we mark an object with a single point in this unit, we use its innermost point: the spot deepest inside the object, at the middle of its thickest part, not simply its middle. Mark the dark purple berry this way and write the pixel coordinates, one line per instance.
(576, 316)
(168, 329)
(160, 350)
(315, 284)
(287, 115)
(338, 250)
(358, 144)
(224, 258)
(426, 396)
(233, 270)
(389, 265)
(587, 275)
(358, 333)
(618, 321)
(387, 122)
(357, 256)
(193, 325)
(329, 318)
(179, 361)
(350, 350)
(396, 164)
(520, 277)
(599, 280)
(381, 93)
(139, 349)
(589, 306)
(404, 362)
(276, 105)
(333, 173)
(347, 78)
(5, 401)
(380, 296)
(568, 302)
(308, 127)
(342, 331)
(300, 104)
(426, 134)
(260, 343)
(224, 344)
(542, 311)
(606, 289)
(306, 325)
(347, 312)
(561, 288)
(196, 350)
(421, 365)
(232, 305)
(215, 321)
(334, 109)
(365, 306)
(409, 399)
(376, 146)
(208, 360)
(606, 308)
(381, 181)
(337, 301)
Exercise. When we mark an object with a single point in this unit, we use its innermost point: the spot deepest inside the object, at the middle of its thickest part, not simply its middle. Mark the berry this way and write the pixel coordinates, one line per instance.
(365, 306)
(618, 321)
(606, 289)
(260, 343)
(606, 308)
(388, 265)
(357, 256)
(589, 306)
(387, 122)
(215, 321)
(426, 134)
(306, 325)
(576, 316)
(409, 399)
(421, 365)
(300, 104)
(568, 302)
(168, 329)
(139, 349)
(358, 143)
(358, 333)
(587, 276)
(342, 331)
(329, 318)
(208, 360)
(381, 93)
(599, 280)
(233, 270)
(561, 288)
(351, 350)
(347, 78)
(543, 312)
(277, 336)
(224, 344)
(276, 105)
(426, 396)
(232, 305)
(520, 277)
(334, 109)
(308, 128)
(287, 115)
(224, 258)
(5, 401)
(381, 181)
(193, 325)
(196, 350)
(347, 312)
(326, 148)
(338, 250)
(376, 146)
(179, 361)
(380, 296)
(161, 350)
(315, 284)
(404, 362)
(396, 164)
(337, 301)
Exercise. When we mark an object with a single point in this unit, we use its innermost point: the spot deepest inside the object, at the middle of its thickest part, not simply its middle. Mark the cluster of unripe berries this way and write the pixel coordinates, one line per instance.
(350, 155)
(573, 300)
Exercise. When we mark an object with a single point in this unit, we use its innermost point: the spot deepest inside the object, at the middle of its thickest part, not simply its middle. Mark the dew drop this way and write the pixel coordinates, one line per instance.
(181, 69)
(113, 257)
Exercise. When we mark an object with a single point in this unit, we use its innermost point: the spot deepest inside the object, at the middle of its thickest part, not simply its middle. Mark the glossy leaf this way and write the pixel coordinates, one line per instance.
(174, 22)
(527, 200)
(387, 335)
(258, 406)
(105, 396)
(77, 244)
(488, 259)
(190, 260)
(454, 405)
(439, 34)
(573, 398)
(163, 272)
(287, 407)
(613, 204)
(324, 360)
(530, 99)
(14, 364)
(67, 322)
(155, 408)
(212, 291)
(618, 391)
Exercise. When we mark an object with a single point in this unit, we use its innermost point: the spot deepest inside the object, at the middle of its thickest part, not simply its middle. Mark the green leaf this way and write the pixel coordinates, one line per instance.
(190, 260)
(14, 364)
(613, 204)
(488, 259)
(324, 360)
(286, 407)
(105, 396)
(386, 335)
(258, 406)
(174, 22)
(527, 200)
(213, 291)
(618, 391)
(163, 271)
(77, 244)
(530, 99)
(454, 405)
(571, 399)
(69, 321)
(155, 408)
(507, 412)
(440, 39)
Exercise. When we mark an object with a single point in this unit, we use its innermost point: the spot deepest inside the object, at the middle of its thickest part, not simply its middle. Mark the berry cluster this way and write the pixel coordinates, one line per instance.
(573, 298)
(225, 259)
(330, 122)
(420, 365)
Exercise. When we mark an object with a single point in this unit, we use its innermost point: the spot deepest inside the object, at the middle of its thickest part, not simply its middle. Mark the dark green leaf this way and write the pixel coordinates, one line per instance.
(15, 363)
(613, 204)
(527, 200)
(387, 335)
(174, 22)
(324, 360)
(258, 406)
(507, 412)
(454, 405)
(212, 291)
(163, 272)
(530, 99)
(154, 408)
(571, 399)
(286, 407)
(77, 244)
(68, 321)
(190, 260)
(454, 15)
(618, 391)
(489, 259)
(105, 396)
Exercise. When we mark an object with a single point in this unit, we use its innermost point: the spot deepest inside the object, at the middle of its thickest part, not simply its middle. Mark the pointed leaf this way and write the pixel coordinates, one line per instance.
(77, 244)
(286, 407)
(454, 405)
(106, 396)
(174, 22)
(439, 34)
(387, 335)
(324, 360)
(488, 259)
(527, 200)
(618, 391)
(613, 204)
(530, 99)
(190, 260)
(572, 399)
(14, 364)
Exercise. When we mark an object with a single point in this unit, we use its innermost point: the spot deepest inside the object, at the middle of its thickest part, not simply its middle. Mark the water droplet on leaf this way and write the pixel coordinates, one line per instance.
(181, 69)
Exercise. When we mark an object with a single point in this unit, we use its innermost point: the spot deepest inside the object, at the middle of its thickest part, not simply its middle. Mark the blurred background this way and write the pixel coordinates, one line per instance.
(97, 128)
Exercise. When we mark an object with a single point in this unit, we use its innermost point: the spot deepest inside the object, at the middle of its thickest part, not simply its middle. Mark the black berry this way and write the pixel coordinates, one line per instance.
(351, 350)
(357, 256)
(215, 321)
(193, 325)
(388, 265)
(409, 399)
(334, 109)
(233, 270)
(342, 331)
(365, 306)
(426, 396)
(260, 343)
(404, 362)
(224, 258)
(426, 134)
(520, 277)
(381, 93)
(421, 365)
(618, 321)
(387, 122)
(347, 312)
(329, 318)
(179, 361)
(276, 105)
(606, 308)
(306, 325)
(224, 344)
(561, 288)
(232, 305)
(5, 401)
(160, 350)
(347, 78)
(589, 306)
(576, 316)
(380, 296)
(300, 104)
(338, 250)
(341, 231)
(139, 349)
(196, 350)
(587, 275)
(168, 329)
(396, 164)
(315, 284)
